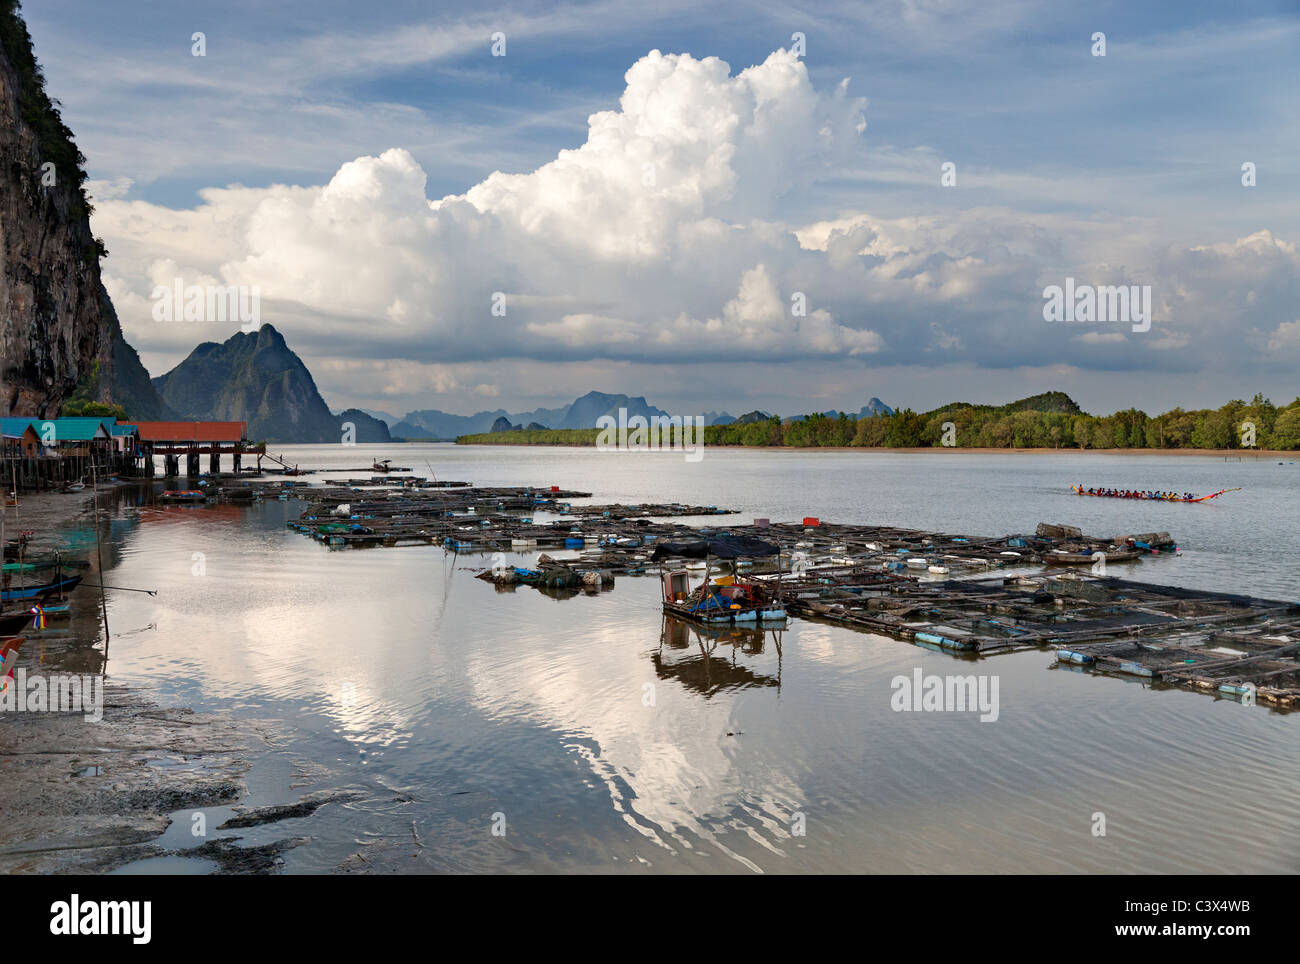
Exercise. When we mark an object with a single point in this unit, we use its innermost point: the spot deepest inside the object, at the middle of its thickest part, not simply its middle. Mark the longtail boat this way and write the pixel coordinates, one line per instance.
(1139, 497)
(58, 585)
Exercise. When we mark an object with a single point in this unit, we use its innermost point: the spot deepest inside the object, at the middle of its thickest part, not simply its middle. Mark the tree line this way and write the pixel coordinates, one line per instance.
(1046, 421)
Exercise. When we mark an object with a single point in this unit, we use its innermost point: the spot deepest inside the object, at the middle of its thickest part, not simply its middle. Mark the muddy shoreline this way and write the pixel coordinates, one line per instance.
(83, 796)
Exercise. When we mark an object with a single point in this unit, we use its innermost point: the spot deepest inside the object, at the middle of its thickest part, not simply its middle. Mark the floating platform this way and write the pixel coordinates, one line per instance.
(1230, 644)
(938, 590)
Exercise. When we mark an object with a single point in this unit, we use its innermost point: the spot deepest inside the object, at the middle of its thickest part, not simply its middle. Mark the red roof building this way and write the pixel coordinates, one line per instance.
(196, 432)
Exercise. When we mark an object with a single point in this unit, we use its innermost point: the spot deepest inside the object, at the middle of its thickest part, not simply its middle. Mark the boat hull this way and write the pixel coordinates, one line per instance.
(59, 586)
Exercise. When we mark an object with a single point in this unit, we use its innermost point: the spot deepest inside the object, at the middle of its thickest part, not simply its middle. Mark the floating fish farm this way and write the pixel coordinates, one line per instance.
(939, 590)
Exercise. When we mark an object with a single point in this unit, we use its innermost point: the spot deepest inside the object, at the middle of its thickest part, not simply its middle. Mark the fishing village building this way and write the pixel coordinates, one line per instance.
(174, 440)
(53, 452)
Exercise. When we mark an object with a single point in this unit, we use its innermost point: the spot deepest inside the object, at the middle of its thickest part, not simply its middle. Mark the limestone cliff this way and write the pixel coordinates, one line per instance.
(59, 336)
(252, 377)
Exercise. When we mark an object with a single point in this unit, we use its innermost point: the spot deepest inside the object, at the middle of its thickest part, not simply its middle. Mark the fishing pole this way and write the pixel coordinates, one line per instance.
(151, 592)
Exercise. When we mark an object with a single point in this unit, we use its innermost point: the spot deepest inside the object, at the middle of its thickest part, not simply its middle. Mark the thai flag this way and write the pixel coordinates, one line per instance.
(39, 621)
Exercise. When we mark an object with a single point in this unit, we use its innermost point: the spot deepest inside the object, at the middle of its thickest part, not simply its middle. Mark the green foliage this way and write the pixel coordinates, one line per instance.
(550, 436)
(37, 109)
(1049, 420)
(1286, 430)
(906, 429)
(74, 408)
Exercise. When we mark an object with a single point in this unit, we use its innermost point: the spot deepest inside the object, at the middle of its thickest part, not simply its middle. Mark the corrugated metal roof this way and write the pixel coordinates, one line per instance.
(65, 429)
(76, 429)
(191, 431)
(16, 426)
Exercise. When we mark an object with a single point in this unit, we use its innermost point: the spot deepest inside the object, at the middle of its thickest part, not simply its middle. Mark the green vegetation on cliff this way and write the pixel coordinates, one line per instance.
(38, 110)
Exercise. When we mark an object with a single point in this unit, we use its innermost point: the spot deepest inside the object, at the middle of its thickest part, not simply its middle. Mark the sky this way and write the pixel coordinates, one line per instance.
(726, 206)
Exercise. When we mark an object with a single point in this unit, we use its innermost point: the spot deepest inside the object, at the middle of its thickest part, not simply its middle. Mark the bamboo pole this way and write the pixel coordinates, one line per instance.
(99, 556)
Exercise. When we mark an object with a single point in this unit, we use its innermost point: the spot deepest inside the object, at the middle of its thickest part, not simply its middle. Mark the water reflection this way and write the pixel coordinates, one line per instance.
(610, 744)
(711, 659)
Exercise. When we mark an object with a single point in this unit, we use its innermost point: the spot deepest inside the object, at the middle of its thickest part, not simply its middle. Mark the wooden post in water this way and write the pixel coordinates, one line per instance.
(99, 557)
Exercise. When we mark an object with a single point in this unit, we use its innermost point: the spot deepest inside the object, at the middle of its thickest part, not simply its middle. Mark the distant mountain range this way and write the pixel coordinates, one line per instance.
(256, 378)
(580, 413)
(870, 410)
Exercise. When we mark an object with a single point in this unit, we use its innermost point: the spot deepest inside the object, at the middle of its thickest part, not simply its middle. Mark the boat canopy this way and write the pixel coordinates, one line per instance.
(717, 547)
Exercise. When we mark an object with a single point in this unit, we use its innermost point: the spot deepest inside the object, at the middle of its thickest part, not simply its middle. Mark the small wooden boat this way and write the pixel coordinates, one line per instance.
(183, 495)
(1136, 497)
(723, 602)
(58, 585)
(382, 466)
(40, 565)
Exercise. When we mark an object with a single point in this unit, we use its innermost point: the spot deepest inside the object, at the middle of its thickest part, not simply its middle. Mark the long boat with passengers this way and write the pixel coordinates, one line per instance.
(1148, 495)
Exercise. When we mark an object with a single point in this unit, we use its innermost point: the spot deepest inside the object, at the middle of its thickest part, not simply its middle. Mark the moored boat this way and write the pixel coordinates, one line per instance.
(57, 586)
(725, 599)
(183, 495)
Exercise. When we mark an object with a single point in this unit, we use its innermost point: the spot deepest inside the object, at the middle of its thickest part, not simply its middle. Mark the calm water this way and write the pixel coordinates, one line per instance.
(447, 706)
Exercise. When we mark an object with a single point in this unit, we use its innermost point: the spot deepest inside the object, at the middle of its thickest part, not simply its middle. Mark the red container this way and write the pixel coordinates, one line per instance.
(555, 488)
(811, 520)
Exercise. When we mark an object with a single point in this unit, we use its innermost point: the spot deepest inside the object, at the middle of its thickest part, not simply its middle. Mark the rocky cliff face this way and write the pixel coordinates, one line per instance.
(253, 378)
(58, 333)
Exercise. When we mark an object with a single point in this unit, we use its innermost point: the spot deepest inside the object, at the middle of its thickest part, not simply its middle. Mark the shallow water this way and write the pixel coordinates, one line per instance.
(599, 741)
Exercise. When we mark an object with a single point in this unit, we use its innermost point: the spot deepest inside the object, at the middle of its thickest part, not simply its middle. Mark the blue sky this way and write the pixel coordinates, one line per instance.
(1122, 168)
